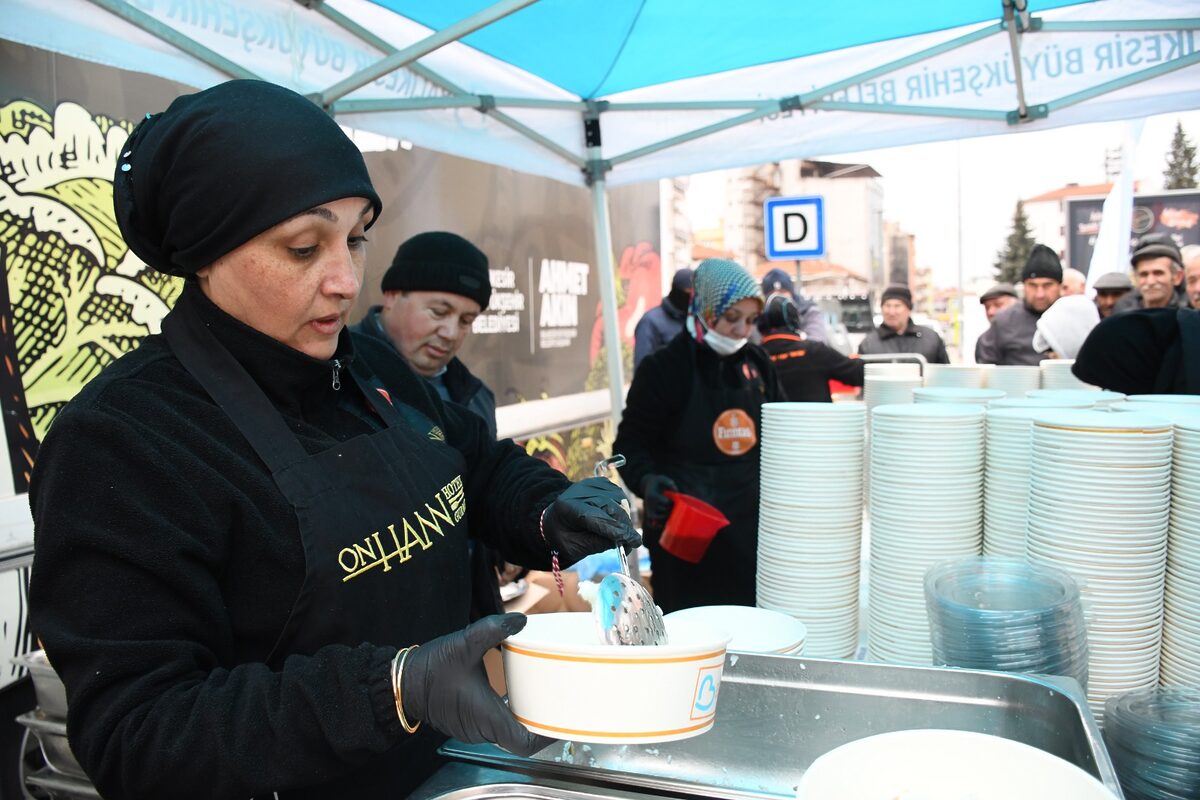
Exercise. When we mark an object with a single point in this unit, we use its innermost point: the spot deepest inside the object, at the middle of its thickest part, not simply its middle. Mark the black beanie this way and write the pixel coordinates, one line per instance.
(221, 166)
(897, 292)
(1042, 263)
(440, 262)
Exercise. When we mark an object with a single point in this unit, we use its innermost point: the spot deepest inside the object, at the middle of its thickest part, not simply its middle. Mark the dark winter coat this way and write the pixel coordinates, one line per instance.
(1009, 341)
(657, 326)
(805, 367)
(915, 339)
(167, 561)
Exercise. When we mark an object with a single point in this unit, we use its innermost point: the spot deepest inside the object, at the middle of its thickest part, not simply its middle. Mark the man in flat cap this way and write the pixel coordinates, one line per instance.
(1191, 273)
(1110, 287)
(1157, 274)
(898, 334)
(994, 300)
(1009, 342)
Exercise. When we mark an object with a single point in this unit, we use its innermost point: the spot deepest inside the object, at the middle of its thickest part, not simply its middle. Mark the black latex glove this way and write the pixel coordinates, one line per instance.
(445, 685)
(656, 504)
(588, 518)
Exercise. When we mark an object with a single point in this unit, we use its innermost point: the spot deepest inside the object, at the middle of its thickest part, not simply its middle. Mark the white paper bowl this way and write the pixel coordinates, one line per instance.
(563, 683)
(945, 765)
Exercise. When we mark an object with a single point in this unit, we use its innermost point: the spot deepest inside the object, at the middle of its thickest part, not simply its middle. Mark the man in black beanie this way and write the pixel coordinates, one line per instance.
(437, 285)
(1009, 342)
(435, 288)
(663, 323)
(898, 334)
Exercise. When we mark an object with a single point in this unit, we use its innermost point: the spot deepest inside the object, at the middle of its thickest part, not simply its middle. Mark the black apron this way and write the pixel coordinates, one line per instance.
(721, 475)
(364, 507)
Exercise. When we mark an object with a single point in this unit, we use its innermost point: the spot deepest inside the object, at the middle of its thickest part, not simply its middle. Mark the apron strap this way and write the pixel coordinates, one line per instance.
(228, 383)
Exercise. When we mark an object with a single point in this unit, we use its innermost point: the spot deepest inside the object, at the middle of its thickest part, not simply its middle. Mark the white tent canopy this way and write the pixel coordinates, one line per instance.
(634, 90)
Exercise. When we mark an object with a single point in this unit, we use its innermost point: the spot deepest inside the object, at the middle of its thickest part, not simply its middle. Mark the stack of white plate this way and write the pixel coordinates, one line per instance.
(1181, 599)
(810, 533)
(1014, 381)
(886, 390)
(752, 630)
(926, 506)
(962, 376)
(949, 394)
(1040, 402)
(1170, 399)
(1099, 501)
(1056, 374)
(1098, 397)
(1006, 479)
(881, 369)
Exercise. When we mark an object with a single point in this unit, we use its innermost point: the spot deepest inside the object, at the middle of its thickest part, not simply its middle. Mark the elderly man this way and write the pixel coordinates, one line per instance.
(1073, 282)
(898, 334)
(1191, 273)
(1157, 273)
(1110, 288)
(995, 300)
(1009, 342)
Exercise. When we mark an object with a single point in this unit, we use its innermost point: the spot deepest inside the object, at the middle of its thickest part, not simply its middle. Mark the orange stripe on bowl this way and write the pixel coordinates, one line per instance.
(600, 660)
(611, 735)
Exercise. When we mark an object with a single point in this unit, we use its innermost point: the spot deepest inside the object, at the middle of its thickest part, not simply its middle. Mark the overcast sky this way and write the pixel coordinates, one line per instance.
(919, 183)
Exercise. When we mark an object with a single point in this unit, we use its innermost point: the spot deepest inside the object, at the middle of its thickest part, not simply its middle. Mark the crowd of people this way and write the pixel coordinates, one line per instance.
(288, 494)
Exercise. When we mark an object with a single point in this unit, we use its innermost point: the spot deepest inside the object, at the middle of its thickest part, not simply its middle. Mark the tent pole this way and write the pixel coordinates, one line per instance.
(608, 283)
(440, 81)
(1014, 46)
(400, 58)
(174, 38)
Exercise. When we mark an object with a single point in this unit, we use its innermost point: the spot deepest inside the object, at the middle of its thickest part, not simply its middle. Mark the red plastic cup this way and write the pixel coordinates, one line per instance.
(691, 527)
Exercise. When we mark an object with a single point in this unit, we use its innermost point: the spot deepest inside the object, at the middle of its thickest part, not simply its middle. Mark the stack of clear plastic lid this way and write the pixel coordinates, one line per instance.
(1153, 736)
(1008, 615)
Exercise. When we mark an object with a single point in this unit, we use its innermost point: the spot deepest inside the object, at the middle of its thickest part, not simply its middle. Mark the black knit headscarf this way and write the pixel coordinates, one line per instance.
(221, 166)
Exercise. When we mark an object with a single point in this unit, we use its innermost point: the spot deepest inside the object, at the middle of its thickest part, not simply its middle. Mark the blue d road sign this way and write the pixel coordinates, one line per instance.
(795, 227)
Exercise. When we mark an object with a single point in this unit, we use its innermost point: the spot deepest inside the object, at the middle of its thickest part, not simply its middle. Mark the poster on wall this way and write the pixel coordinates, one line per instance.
(1176, 213)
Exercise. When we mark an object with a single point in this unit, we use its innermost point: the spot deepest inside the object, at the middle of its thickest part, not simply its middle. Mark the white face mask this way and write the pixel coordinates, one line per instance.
(720, 344)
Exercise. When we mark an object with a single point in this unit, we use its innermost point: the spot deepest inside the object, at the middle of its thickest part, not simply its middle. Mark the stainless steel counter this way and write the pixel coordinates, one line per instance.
(777, 714)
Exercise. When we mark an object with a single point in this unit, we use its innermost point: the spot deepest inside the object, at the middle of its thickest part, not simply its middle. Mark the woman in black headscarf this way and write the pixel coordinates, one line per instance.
(805, 366)
(239, 523)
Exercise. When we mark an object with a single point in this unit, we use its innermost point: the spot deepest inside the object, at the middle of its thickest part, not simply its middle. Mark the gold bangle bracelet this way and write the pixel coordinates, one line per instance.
(397, 676)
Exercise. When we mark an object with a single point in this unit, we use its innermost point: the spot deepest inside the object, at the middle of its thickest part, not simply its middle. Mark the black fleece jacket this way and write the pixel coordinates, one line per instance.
(166, 562)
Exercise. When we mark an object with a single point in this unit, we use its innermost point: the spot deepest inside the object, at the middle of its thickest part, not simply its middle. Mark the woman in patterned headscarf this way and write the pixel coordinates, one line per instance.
(691, 425)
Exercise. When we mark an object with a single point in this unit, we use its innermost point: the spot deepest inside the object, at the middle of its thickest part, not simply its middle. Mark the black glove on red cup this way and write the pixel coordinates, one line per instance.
(445, 685)
(656, 504)
(588, 518)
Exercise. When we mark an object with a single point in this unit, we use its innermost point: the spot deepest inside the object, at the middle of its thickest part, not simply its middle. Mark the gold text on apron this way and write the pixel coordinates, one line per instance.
(397, 540)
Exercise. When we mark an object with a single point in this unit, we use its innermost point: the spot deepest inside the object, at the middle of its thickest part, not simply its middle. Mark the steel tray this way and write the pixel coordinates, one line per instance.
(777, 714)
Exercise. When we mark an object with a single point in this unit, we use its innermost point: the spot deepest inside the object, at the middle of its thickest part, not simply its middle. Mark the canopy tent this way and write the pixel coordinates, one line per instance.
(633, 90)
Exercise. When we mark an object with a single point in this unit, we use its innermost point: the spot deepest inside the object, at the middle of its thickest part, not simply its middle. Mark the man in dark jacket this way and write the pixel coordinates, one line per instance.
(663, 323)
(1009, 342)
(437, 284)
(995, 300)
(812, 319)
(804, 367)
(1158, 274)
(898, 334)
